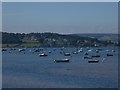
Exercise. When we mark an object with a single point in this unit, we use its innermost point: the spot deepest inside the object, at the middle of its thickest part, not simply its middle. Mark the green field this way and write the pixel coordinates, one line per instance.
(26, 43)
(9, 45)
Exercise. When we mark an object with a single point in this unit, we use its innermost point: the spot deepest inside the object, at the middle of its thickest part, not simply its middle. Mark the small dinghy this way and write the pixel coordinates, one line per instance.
(43, 54)
(97, 51)
(93, 61)
(113, 50)
(80, 50)
(37, 50)
(49, 52)
(107, 50)
(75, 52)
(61, 60)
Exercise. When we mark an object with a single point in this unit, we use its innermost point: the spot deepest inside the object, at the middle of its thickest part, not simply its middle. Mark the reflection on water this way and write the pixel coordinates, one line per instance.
(27, 69)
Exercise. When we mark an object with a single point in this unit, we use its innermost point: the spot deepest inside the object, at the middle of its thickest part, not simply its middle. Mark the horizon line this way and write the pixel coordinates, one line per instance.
(59, 33)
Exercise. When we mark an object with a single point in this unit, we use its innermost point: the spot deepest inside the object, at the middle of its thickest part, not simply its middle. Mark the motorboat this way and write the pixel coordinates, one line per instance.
(89, 50)
(20, 50)
(61, 60)
(93, 61)
(67, 54)
(80, 50)
(109, 54)
(4, 49)
(43, 54)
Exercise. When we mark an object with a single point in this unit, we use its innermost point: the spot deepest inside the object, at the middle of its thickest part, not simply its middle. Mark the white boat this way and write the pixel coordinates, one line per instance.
(43, 54)
(89, 50)
(75, 52)
(20, 50)
(67, 54)
(113, 50)
(80, 50)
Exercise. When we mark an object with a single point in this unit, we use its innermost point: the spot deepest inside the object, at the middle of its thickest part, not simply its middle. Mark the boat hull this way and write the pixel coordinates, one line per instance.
(109, 55)
(93, 61)
(96, 56)
(61, 60)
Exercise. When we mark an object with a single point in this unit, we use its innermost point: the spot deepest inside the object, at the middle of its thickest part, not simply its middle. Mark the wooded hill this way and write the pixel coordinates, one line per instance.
(49, 40)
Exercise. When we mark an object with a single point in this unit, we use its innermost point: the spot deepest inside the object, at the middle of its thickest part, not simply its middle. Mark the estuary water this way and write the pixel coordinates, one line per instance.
(26, 69)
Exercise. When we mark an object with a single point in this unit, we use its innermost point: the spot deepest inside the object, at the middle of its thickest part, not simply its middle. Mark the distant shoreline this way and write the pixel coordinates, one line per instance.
(17, 46)
(48, 39)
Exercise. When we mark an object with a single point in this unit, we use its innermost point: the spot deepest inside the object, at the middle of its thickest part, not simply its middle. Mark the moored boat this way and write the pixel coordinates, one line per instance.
(87, 57)
(97, 51)
(86, 53)
(89, 50)
(93, 61)
(67, 54)
(61, 60)
(20, 50)
(95, 55)
(4, 49)
(109, 54)
(49, 52)
(113, 50)
(80, 50)
(43, 54)
(75, 52)
(37, 50)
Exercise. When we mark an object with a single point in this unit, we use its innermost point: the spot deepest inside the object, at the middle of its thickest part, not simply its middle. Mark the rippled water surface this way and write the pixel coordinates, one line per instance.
(28, 70)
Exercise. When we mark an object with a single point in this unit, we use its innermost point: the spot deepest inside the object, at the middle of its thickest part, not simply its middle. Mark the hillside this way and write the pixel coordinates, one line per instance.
(50, 40)
(102, 37)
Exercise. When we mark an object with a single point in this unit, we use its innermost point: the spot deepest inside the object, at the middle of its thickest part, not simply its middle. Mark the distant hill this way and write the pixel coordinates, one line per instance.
(54, 40)
(101, 37)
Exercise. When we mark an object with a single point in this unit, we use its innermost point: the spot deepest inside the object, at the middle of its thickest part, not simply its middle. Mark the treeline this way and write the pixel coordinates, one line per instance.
(51, 40)
(11, 38)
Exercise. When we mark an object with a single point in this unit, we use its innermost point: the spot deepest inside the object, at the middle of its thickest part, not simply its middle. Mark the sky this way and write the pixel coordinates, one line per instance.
(60, 0)
(60, 17)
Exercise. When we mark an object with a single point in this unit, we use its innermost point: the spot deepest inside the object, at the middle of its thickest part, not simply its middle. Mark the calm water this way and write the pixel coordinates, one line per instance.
(28, 70)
